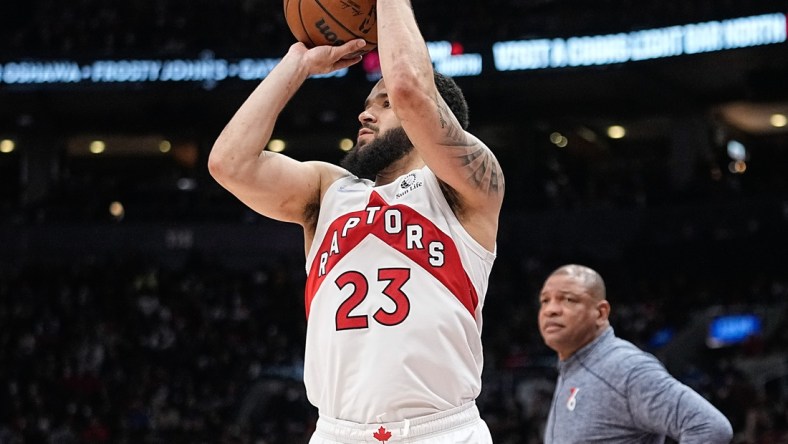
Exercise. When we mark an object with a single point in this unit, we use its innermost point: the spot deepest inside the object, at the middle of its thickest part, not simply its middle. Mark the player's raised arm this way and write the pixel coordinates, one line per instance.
(272, 184)
(458, 158)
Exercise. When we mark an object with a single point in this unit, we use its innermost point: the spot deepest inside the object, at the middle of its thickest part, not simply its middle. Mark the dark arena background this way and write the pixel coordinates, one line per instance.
(142, 303)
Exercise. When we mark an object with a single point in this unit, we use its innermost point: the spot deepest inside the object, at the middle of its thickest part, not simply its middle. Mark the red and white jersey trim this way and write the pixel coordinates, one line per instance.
(394, 295)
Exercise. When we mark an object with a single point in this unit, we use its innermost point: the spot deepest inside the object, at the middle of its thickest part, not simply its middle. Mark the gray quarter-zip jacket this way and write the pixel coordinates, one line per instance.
(612, 392)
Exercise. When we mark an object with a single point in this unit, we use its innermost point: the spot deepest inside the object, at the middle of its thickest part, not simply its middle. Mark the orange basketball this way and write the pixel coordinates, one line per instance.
(332, 22)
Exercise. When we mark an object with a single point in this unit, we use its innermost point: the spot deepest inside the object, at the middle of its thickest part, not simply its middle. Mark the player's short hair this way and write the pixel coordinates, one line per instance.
(453, 96)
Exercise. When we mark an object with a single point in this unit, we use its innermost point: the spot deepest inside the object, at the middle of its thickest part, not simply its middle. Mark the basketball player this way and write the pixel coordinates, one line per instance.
(397, 265)
(608, 390)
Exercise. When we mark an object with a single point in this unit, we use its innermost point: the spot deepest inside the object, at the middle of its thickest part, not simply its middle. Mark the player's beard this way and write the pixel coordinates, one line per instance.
(368, 160)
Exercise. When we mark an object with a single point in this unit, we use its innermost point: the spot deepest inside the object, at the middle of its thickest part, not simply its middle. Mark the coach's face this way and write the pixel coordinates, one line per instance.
(569, 315)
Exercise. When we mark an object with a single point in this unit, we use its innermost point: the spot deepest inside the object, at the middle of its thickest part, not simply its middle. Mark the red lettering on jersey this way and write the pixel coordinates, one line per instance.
(389, 223)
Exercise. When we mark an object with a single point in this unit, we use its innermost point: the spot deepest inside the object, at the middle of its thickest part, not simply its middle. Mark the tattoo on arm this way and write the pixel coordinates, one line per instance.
(441, 114)
(481, 167)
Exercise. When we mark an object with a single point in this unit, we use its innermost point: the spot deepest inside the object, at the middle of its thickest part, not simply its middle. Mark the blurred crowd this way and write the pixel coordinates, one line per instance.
(130, 350)
(48, 28)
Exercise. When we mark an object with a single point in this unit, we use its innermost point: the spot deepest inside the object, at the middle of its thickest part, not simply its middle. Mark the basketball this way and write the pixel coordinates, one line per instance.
(332, 22)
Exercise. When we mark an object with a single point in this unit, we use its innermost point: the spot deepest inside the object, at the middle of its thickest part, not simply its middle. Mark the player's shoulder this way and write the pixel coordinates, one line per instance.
(327, 169)
(328, 173)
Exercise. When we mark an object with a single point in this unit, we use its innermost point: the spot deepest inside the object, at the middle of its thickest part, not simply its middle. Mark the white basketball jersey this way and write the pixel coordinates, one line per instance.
(394, 298)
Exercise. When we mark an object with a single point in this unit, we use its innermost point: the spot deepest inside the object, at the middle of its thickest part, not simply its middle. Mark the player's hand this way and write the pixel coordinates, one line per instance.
(325, 59)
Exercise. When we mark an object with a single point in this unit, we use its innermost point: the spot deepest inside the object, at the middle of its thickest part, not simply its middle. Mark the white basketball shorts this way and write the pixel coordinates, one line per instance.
(461, 425)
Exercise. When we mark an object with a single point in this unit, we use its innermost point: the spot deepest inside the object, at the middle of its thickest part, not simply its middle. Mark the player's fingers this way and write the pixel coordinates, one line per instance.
(347, 61)
(323, 59)
(347, 50)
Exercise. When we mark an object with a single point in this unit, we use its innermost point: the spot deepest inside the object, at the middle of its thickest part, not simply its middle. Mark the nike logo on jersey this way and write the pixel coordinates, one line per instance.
(348, 189)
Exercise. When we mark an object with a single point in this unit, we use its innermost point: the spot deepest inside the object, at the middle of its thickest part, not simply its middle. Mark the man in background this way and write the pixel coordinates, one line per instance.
(608, 390)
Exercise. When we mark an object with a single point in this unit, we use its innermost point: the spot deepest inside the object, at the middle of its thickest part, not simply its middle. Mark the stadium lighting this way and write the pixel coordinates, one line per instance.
(7, 146)
(736, 150)
(116, 210)
(778, 120)
(276, 145)
(165, 146)
(616, 132)
(346, 144)
(97, 147)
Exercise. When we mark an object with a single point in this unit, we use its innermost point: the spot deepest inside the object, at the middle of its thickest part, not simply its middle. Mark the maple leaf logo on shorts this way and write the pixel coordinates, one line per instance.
(382, 434)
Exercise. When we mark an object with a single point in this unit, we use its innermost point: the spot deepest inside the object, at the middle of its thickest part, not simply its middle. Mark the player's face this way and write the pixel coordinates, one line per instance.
(378, 116)
(569, 316)
(381, 139)
(374, 156)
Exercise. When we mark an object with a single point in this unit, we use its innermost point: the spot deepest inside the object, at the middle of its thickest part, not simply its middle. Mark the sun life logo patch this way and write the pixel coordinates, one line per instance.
(408, 184)
(407, 181)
